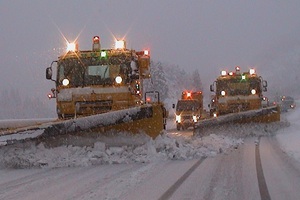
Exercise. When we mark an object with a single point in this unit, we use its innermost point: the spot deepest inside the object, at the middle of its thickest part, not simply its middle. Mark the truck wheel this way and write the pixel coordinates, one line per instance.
(178, 127)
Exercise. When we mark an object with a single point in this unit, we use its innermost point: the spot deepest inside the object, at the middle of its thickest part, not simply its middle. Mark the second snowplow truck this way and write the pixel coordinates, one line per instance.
(242, 93)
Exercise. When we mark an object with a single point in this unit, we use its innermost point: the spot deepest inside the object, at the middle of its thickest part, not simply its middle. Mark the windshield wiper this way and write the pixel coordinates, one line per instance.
(105, 72)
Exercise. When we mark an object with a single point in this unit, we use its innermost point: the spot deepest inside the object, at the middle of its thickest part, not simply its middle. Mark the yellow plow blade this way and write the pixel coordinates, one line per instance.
(149, 119)
(264, 115)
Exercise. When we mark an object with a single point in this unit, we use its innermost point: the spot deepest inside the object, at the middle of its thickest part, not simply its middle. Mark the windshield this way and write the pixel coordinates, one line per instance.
(188, 105)
(90, 72)
(237, 86)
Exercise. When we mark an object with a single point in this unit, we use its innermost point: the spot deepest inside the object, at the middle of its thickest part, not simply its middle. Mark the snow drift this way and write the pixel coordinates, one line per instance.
(123, 148)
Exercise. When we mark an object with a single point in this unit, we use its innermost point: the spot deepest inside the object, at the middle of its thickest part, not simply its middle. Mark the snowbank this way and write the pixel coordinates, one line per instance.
(122, 148)
(143, 150)
(146, 150)
(289, 137)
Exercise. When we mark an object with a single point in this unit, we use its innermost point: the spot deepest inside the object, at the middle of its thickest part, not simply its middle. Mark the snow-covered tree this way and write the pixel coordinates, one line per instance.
(158, 80)
(170, 80)
(196, 81)
(15, 106)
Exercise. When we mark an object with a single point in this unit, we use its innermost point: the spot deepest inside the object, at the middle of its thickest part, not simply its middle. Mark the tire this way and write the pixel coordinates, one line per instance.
(178, 127)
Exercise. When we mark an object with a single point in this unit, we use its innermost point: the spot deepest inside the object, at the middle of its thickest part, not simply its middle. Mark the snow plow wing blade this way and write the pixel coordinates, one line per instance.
(264, 115)
(147, 119)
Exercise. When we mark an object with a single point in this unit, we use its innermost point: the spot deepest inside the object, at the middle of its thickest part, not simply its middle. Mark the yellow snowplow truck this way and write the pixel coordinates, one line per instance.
(189, 109)
(97, 81)
(242, 93)
(97, 91)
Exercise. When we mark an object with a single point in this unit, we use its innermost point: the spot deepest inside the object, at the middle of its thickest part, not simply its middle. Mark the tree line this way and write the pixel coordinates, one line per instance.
(15, 106)
(170, 80)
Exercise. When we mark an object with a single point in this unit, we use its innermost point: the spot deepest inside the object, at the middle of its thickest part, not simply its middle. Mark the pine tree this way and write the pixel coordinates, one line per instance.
(196, 81)
(158, 81)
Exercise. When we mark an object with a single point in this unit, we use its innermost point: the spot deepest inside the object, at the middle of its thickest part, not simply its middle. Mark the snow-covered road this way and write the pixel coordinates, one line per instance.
(218, 163)
(282, 173)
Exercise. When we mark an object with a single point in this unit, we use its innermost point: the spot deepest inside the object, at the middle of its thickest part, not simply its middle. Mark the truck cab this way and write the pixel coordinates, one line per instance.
(96, 81)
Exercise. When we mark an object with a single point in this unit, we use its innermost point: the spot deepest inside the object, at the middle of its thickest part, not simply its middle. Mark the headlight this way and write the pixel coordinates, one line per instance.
(253, 91)
(223, 93)
(195, 118)
(65, 82)
(178, 118)
(118, 79)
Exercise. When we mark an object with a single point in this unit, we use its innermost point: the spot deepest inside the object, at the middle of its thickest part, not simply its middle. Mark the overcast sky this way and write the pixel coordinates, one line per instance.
(205, 35)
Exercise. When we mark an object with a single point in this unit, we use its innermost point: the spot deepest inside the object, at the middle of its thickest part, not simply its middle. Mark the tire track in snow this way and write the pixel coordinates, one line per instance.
(15, 189)
(21, 182)
(263, 189)
(168, 194)
(97, 188)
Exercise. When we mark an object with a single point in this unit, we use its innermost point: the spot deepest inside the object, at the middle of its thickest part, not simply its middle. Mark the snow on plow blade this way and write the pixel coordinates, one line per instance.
(264, 115)
(147, 118)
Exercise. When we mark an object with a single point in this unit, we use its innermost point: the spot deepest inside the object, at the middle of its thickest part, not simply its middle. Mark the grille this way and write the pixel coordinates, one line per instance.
(239, 107)
(187, 117)
(93, 107)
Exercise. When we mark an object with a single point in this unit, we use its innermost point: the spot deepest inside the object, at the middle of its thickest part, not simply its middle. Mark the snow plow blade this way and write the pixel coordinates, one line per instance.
(148, 119)
(264, 115)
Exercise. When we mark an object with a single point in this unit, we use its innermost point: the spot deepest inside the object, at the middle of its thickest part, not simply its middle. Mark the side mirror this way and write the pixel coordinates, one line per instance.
(49, 73)
(144, 67)
(212, 88)
(265, 84)
(265, 89)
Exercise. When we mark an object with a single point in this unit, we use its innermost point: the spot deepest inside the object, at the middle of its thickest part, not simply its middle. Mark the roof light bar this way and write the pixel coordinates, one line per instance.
(72, 47)
(96, 43)
(103, 54)
(146, 52)
(252, 71)
(120, 44)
